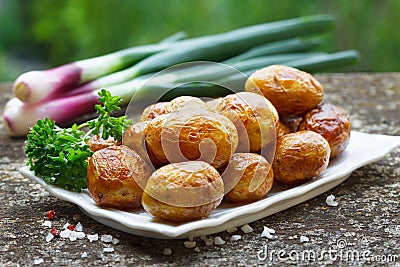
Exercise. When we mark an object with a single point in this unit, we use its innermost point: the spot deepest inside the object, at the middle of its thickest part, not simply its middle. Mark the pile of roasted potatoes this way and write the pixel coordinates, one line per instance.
(185, 156)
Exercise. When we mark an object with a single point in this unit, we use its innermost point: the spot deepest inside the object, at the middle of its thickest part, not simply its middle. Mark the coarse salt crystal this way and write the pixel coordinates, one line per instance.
(47, 223)
(304, 239)
(38, 261)
(79, 227)
(84, 255)
(106, 238)
(232, 230)
(49, 237)
(219, 241)
(79, 235)
(66, 225)
(330, 201)
(236, 237)
(65, 233)
(197, 249)
(267, 232)
(167, 251)
(108, 249)
(115, 240)
(246, 229)
(189, 244)
(92, 238)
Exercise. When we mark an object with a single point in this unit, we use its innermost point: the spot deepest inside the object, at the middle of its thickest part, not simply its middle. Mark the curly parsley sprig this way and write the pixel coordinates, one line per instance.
(60, 155)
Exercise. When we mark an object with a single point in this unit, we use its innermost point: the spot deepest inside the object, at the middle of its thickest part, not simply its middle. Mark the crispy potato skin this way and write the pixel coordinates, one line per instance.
(161, 108)
(300, 156)
(332, 122)
(96, 143)
(282, 129)
(184, 191)
(134, 138)
(155, 110)
(114, 174)
(254, 117)
(191, 136)
(291, 91)
(244, 168)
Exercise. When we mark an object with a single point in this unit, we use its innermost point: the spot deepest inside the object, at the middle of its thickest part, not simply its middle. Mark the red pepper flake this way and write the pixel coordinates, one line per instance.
(71, 227)
(54, 232)
(51, 214)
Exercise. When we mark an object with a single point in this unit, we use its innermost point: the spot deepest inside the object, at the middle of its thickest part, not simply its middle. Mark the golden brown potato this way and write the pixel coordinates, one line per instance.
(282, 129)
(183, 191)
(182, 102)
(254, 117)
(332, 122)
(96, 143)
(248, 178)
(180, 137)
(291, 91)
(116, 176)
(155, 110)
(134, 138)
(299, 157)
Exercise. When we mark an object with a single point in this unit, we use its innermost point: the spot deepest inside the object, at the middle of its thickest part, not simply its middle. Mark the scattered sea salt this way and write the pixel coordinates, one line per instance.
(246, 229)
(66, 225)
(219, 241)
(79, 227)
(167, 251)
(304, 239)
(38, 261)
(197, 249)
(49, 237)
(232, 230)
(330, 201)
(115, 240)
(65, 233)
(189, 244)
(108, 249)
(79, 235)
(93, 237)
(267, 232)
(236, 237)
(106, 238)
(47, 223)
(84, 255)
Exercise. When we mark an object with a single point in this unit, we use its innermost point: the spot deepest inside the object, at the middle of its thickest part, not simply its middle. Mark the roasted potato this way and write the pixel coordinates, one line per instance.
(134, 138)
(282, 129)
(291, 91)
(181, 102)
(96, 143)
(155, 110)
(299, 157)
(248, 178)
(178, 137)
(116, 176)
(183, 191)
(332, 122)
(254, 117)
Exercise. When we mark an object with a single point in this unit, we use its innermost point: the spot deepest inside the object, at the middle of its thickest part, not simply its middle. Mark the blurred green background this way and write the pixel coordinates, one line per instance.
(37, 34)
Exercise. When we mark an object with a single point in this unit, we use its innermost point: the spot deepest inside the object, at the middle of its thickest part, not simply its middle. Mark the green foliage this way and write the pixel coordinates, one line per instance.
(60, 155)
(45, 33)
(105, 124)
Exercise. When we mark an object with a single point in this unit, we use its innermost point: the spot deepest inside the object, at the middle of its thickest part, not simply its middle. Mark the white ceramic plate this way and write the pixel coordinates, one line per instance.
(363, 149)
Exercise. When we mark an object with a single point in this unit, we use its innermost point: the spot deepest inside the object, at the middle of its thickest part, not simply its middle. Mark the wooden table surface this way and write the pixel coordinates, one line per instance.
(365, 224)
